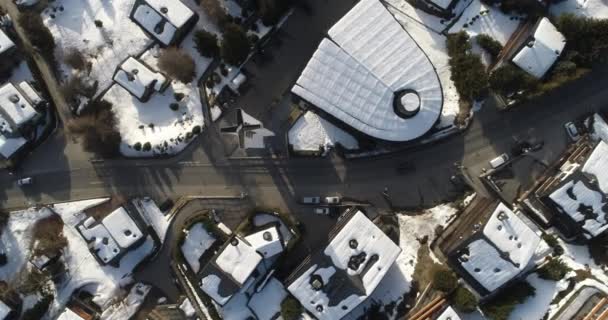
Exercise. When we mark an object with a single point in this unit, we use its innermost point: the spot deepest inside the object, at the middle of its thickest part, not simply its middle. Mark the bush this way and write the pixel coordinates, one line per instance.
(501, 305)
(468, 72)
(464, 300)
(48, 237)
(38, 33)
(235, 45)
(444, 280)
(177, 64)
(271, 11)
(586, 36)
(196, 130)
(97, 129)
(291, 309)
(98, 23)
(564, 68)
(206, 44)
(75, 59)
(555, 270)
(216, 12)
(39, 309)
(174, 106)
(551, 240)
(147, 147)
(137, 146)
(490, 45)
(510, 79)
(178, 96)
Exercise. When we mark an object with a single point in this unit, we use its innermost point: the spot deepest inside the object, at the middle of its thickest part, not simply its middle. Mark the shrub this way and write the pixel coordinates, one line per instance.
(216, 12)
(206, 44)
(468, 72)
(444, 280)
(555, 269)
(97, 129)
(271, 11)
(196, 130)
(291, 309)
(464, 300)
(235, 45)
(137, 146)
(48, 237)
(551, 240)
(564, 68)
(147, 146)
(490, 45)
(501, 305)
(174, 106)
(509, 79)
(98, 23)
(178, 96)
(38, 33)
(586, 36)
(177, 64)
(75, 59)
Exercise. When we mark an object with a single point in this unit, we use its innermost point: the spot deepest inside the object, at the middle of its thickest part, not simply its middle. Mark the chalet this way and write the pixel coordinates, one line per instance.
(332, 282)
(540, 50)
(8, 54)
(139, 79)
(17, 117)
(168, 21)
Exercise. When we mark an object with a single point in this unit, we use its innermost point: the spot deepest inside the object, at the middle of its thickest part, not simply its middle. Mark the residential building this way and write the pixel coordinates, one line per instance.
(503, 247)
(372, 76)
(18, 116)
(8, 54)
(440, 8)
(168, 21)
(541, 49)
(332, 282)
(139, 79)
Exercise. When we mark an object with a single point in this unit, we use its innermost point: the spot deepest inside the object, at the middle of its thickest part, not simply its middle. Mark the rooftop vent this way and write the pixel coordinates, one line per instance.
(353, 244)
(234, 242)
(14, 98)
(267, 236)
(164, 10)
(319, 308)
(316, 282)
(502, 216)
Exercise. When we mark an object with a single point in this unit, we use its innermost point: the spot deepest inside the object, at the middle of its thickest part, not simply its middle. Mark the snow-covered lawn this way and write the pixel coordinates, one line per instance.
(589, 8)
(198, 240)
(311, 132)
(434, 46)
(479, 18)
(433, 22)
(72, 23)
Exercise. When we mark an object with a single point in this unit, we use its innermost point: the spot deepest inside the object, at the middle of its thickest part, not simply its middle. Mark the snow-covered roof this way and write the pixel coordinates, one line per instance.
(347, 271)
(600, 128)
(597, 165)
(173, 11)
(8, 146)
(266, 241)
(267, 303)
(505, 250)
(444, 4)
(154, 23)
(102, 243)
(448, 314)
(14, 105)
(4, 310)
(238, 259)
(359, 75)
(68, 314)
(27, 89)
(122, 228)
(5, 42)
(137, 78)
(539, 54)
(197, 241)
(211, 285)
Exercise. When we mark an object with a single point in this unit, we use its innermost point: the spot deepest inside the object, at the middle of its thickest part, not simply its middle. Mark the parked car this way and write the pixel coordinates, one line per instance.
(572, 131)
(332, 200)
(311, 200)
(499, 161)
(322, 210)
(24, 181)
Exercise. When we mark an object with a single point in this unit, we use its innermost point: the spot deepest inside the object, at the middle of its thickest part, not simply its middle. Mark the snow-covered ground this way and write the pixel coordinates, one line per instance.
(434, 46)
(197, 241)
(589, 8)
(480, 18)
(126, 308)
(311, 132)
(72, 23)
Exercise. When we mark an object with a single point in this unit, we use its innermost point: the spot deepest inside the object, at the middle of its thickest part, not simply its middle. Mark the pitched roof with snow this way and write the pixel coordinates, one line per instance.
(122, 228)
(103, 245)
(8, 146)
(162, 18)
(373, 76)
(539, 54)
(266, 241)
(14, 107)
(506, 247)
(334, 281)
(137, 78)
(5, 42)
(238, 259)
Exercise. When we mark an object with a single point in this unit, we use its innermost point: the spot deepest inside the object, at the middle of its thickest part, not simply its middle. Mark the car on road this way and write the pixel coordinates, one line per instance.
(332, 200)
(572, 131)
(24, 181)
(323, 211)
(311, 200)
(499, 161)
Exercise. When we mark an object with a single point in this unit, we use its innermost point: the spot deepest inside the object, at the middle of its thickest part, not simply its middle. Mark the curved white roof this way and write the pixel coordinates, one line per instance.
(355, 76)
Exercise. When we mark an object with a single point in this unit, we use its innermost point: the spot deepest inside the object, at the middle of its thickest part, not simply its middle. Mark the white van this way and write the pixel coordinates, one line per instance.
(499, 161)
